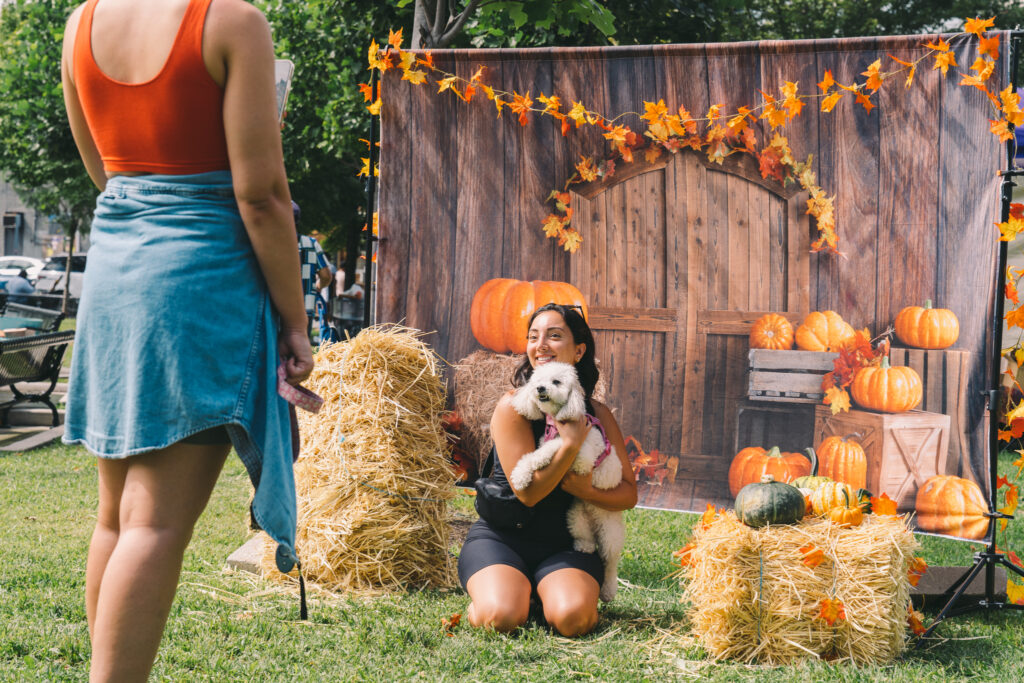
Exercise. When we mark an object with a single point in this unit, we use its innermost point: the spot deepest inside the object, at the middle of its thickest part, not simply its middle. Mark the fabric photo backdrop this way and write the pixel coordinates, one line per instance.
(680, 256)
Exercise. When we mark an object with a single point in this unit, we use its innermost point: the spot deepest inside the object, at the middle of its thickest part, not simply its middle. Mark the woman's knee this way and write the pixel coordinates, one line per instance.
(571, 618)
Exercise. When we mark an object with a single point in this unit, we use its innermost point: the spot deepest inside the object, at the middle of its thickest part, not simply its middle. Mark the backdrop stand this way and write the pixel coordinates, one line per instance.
(989, 559)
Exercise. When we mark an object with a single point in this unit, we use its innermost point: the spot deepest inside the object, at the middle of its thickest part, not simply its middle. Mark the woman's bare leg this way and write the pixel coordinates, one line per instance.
(500, 597)
(162, 495)
(104, 536)
(569, 597)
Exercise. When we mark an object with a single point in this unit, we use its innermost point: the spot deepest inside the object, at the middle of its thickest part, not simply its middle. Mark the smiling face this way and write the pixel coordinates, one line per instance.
(550, 339)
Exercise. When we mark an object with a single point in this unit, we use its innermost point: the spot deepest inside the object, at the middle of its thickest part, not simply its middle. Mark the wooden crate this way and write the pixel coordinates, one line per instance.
(903, 449)
(790, 376)
(945, 375)
(770, 423)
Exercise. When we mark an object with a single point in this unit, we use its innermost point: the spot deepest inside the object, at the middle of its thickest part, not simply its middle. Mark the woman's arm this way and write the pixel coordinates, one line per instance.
(240, 37)
(513, 438)
(623, 496)
(76, 117)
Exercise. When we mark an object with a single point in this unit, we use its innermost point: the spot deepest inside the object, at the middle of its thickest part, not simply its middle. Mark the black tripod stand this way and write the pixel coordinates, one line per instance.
(988, 559)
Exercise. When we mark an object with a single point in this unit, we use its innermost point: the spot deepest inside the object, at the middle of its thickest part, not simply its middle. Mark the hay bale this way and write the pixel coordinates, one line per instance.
(479, 380)
(373, 479)
(755, 600)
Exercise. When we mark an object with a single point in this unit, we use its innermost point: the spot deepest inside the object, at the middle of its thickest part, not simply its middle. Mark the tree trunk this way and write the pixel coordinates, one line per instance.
(435, 25)
(67, 267)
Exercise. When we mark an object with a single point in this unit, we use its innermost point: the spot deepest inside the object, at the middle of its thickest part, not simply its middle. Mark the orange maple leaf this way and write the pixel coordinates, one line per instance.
(367, 91)
(654, 112)
(910, 74)
(883, 505)
(837, 399)
(941, 46)
(717, 149)
(1001, 130)
(427, 60)
(685, 554)
(874, 81)
(983, 68)
(829, 103)
(916, 621)
(943, 61)
(831, 611)
(395, 39)
(1010, 292)
(1014, 592)
(478, 75)
(708, 516)
(978, 26)
(570, 240)
(864, 100)
(1009, 228)
(652, 153)
(617, 134)
(446, 83)
(551, 104)
(769, 164)
(414, 76)
(374, 108)
(827, 82)
(811, 555)
(974, 81)
(1017, 211)
(406, 60)
(586, 169)
(792, 102)
(448, 625)
(520, 104)
(689, 125)
(552, 225)
(738, 123)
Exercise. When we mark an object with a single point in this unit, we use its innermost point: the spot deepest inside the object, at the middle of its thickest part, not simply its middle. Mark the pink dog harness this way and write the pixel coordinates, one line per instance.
(551, 432)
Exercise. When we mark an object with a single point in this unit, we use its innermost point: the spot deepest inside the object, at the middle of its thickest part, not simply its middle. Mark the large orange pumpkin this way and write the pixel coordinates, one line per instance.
(823, 331)
(502, 307)
(843, 459)
(751, 463)
(927, 328)
(951, 505)
(771, 331)
(887, 389)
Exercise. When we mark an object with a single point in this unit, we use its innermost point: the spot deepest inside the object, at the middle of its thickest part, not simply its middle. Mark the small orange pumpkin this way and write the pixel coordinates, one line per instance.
(885, 388)
(950, 505)
(830, 495)
(771, 331)
(927, 328)
(751, 463)
(501, 310)
(823, 331)
(844, 515)
(843, 459)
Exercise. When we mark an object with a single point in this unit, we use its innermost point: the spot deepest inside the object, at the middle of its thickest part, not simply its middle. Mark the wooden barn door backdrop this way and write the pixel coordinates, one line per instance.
(681, 255)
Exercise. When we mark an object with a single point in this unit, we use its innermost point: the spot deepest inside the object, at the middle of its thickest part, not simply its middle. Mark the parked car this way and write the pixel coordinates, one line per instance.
(51, 277)
(10, 266)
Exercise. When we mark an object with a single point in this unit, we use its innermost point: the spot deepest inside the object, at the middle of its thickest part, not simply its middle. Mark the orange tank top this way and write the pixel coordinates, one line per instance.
(172, 123)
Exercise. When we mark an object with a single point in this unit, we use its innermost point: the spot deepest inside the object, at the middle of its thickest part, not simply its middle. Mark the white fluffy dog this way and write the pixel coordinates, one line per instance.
(555, 390)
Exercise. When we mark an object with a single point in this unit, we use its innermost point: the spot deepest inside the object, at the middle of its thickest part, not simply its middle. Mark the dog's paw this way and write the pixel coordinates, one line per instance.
(609, 589)
(584, 546)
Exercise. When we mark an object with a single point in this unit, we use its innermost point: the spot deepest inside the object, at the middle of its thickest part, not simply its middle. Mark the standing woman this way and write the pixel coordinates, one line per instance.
(190, 298)
(502, 567)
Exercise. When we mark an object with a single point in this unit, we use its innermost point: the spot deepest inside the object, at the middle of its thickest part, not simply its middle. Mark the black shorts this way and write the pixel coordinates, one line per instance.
(535, 558)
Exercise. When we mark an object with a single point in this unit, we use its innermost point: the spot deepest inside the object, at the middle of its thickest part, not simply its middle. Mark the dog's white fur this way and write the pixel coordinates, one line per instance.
(555, 390)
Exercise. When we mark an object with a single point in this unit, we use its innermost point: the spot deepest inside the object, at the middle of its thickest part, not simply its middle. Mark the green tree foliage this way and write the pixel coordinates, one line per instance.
(37, 153)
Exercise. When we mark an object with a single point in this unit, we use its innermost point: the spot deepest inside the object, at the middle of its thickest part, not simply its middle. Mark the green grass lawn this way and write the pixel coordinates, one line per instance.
(230, 626)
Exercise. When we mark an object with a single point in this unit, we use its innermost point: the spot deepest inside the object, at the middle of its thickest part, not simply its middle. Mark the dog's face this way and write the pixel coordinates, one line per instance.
(553, 389)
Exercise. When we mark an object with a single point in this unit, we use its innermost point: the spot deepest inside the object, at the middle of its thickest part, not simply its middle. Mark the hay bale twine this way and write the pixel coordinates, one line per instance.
(373, 479)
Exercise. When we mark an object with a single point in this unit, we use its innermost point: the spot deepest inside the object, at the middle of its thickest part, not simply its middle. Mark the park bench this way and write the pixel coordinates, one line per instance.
(35, 358)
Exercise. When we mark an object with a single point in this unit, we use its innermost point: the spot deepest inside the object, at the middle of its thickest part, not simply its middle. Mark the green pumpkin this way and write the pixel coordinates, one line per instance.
(863, 497)
(769, 502)
(811, 481)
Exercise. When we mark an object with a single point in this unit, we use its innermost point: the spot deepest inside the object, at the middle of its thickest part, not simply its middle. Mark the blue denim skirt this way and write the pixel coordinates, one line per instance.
(176, 335)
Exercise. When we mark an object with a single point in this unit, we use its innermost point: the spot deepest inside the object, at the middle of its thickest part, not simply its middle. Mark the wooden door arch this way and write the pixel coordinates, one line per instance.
(679, 257)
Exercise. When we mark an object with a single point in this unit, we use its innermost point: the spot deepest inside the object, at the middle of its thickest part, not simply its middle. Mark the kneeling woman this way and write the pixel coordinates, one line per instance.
(501, 568)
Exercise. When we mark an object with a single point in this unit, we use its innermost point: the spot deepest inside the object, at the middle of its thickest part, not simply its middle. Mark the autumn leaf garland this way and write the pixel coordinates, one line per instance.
(670, 130)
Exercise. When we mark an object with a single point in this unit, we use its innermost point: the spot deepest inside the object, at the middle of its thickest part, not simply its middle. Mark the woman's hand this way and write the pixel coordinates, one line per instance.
(578, 485)
(573, 432)
(293, 347)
